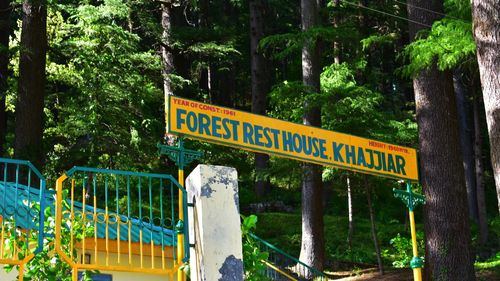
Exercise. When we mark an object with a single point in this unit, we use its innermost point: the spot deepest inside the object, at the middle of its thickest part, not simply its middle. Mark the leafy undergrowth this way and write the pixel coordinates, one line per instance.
(284, 231)
(490, 267)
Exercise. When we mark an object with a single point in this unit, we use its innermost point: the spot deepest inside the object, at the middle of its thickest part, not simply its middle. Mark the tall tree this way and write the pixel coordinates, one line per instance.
(350, 231)
(260, 86)
(4, 66)
(166, 56)
(479, 171)
(486, 26)
(31, 86)
(466, 142)
(312, 250)
(369, 191)
(448, 253)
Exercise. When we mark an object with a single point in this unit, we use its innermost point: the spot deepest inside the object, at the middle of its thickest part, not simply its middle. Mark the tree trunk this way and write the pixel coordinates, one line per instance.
(350, 231)
(166, 53)
(478, 156)
(448, 253)
(167, 58)
(373, 226)
(466, 143)
(259, 87)
(31, 87)
(313, 242)
(336, 21)
(486, 22)
(4, 66)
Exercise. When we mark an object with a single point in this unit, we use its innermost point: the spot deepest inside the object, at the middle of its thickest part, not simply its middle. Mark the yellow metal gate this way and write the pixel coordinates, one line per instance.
(111, 220)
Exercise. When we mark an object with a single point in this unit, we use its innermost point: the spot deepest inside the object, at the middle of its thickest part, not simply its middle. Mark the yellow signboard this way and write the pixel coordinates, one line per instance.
(272, 136)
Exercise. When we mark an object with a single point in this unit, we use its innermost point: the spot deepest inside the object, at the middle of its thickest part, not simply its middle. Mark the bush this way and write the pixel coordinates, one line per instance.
(401, 252)
(252, 255)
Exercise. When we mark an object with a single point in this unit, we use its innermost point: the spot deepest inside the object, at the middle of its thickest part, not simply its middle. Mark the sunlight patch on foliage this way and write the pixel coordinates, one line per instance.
(449, 43)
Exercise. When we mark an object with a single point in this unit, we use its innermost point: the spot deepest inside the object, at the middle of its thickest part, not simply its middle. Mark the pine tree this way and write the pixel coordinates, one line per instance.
(313, 242)
(4, 66)
(260, 86)
(31, 89)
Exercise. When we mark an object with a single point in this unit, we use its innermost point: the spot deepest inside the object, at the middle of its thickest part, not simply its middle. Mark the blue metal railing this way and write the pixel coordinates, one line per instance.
(22, 205)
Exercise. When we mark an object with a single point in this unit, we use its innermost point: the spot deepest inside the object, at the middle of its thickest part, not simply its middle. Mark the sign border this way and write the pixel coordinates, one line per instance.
(257, 150)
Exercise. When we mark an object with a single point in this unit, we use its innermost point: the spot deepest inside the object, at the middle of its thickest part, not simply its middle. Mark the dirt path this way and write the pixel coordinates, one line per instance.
(407, 275)
(372, 274)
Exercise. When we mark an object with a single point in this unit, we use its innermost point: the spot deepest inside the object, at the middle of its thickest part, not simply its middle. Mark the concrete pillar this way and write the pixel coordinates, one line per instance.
(214, 223)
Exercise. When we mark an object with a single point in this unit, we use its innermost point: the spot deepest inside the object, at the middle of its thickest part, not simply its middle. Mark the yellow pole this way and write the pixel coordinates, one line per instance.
(417, 272)
(21, 272)
(180, 236)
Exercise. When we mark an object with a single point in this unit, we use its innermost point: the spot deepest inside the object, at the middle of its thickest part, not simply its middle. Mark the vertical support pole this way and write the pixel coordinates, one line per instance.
(59, 185)
(411, 200)
(182, 157)
(416, 263)
(21, 272)
(180, 235)
(74, 274)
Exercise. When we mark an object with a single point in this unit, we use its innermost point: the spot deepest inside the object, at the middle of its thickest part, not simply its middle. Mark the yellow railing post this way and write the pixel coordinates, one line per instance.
(180, 235)
(21, 272)
(59, 184)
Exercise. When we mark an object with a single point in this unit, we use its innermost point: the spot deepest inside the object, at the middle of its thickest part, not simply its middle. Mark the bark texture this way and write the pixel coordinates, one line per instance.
(313, 242)
(465, 132)
(260, 86)
(167, 58)
(479, 170)
(350, 231)
(486, 25)
(4, 66)
(31, 89)
(166, 53)
(373, 226)
(448, 253)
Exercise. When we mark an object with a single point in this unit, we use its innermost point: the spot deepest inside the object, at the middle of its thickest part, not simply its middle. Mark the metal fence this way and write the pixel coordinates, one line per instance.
(112, 220)
(22, 205)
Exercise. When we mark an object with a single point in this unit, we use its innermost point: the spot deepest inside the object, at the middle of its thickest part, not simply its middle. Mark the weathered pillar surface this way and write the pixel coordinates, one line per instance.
(215, 224)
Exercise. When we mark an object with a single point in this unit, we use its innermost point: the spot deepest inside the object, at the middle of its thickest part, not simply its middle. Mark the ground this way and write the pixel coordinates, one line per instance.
(399, 275)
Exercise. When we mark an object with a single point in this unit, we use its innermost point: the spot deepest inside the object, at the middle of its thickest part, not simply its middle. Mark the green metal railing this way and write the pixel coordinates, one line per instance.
(282, 266)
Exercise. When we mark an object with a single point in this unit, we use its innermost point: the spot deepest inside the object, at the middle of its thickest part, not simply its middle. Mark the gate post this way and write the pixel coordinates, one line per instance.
(215, 224)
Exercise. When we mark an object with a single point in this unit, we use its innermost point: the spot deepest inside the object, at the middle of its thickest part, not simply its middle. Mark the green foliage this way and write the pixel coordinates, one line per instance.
(252, 255)
(104, 106)
(284, 98)
(491, 263)
(47, 265)
(449, 43)
(401, 252)
(458, 9)
(377, 40)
